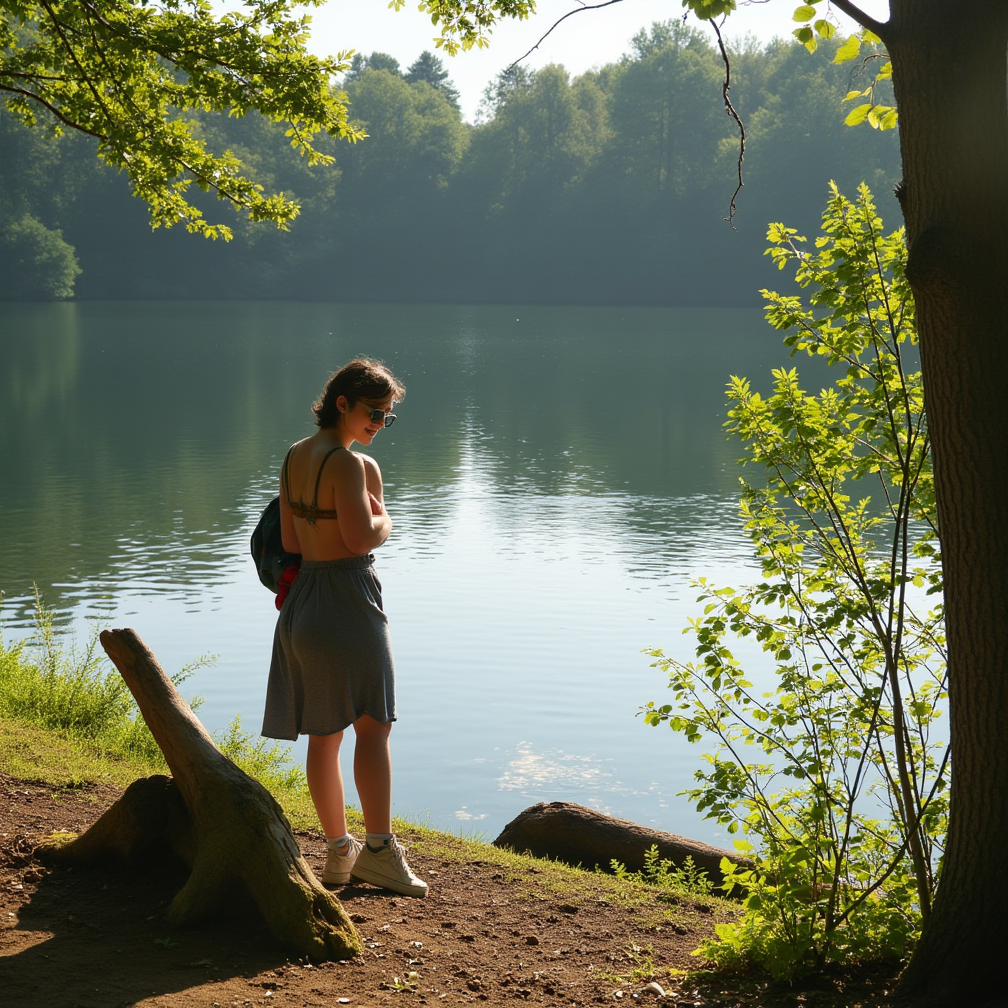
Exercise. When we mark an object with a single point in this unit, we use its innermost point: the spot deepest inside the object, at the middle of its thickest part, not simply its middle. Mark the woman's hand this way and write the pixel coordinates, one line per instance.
(377, 508)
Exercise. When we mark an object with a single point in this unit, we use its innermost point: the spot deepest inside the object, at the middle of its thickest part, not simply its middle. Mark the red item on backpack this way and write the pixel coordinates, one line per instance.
(285, 582)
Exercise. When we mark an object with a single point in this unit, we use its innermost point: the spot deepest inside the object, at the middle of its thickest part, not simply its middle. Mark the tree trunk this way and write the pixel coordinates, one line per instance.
(581, 836)
(223, 824)
(949, 73)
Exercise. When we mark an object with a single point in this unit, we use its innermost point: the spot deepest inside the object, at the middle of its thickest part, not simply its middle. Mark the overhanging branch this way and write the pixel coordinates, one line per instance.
(880, 28)
(53, 109)
(577, 10)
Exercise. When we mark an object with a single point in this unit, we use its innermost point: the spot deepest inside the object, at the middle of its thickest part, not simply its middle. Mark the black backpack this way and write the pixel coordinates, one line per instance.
(271, 559)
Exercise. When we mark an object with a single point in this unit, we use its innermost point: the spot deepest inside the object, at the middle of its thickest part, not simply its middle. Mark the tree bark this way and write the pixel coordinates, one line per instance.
(949, 74)
(581, 836)
(224, 825)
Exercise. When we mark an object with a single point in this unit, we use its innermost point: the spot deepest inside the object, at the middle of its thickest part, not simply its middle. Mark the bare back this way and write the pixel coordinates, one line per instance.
(337, 497)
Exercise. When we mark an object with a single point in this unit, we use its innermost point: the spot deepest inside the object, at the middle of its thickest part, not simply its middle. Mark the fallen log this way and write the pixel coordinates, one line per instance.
(581, 836)
(225, 826)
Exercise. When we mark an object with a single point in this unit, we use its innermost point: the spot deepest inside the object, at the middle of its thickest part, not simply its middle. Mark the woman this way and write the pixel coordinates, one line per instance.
(332, 660)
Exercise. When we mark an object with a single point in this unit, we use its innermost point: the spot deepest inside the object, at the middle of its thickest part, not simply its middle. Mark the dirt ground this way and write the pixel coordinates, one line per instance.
(95, 938)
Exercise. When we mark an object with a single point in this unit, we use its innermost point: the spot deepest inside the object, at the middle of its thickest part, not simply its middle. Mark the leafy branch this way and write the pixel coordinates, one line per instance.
(135, 75)
(847, 803)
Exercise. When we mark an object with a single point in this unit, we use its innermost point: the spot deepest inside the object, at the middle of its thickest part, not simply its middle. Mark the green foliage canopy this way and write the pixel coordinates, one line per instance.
(428, 68)
(468, 23)
(608, 186)
(668, 124)
(131, 73)
(415, 136)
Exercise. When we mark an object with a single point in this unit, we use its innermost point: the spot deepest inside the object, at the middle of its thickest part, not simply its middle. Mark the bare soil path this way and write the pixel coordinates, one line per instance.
(491, 931)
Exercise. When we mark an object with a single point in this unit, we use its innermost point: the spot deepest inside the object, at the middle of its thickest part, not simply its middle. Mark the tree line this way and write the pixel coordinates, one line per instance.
(610, 187)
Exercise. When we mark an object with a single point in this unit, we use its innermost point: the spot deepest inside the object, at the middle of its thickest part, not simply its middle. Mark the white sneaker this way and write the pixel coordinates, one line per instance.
(388, 869)
(339, 862)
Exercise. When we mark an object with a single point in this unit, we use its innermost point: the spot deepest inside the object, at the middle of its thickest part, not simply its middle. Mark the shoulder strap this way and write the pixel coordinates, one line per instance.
(318, 479)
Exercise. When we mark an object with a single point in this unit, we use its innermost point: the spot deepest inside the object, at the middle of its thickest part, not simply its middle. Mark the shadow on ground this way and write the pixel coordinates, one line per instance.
(96, 936)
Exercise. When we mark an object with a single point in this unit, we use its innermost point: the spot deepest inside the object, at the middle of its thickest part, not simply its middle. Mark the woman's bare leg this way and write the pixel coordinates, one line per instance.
(325, 782)
(373, 773)
(382, 864)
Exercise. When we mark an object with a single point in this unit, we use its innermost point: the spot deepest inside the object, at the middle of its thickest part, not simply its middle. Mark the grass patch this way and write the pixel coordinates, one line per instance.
(33, 753)
(68, 719)
(50, 681)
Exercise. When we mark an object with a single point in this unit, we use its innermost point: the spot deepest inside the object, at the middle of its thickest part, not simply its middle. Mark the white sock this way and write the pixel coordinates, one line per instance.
(378, 841)
(335, 843)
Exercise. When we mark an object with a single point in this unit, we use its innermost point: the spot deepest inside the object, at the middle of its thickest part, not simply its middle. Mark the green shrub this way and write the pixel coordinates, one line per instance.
(835, 774)
(47, 680)
(36, 264)
(268, 762)
(661, 872)
(54, 684)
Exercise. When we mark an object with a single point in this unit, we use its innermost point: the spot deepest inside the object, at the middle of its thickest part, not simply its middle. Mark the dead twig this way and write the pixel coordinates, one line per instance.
(730, 109)
(577, 10)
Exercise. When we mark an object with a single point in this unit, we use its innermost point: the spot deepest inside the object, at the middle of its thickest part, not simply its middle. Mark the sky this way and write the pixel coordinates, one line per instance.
(589, 38)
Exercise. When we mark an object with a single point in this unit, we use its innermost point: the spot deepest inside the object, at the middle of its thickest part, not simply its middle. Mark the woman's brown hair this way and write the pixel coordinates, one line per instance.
(360, 379)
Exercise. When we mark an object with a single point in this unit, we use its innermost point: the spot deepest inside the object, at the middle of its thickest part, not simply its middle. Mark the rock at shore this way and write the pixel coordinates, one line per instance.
(581, 836)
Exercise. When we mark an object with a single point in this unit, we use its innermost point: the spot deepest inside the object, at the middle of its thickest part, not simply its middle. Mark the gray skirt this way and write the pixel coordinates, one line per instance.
(332, 657)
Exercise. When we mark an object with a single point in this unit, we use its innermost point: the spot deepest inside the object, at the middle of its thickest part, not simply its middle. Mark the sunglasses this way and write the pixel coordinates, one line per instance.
(380, 416)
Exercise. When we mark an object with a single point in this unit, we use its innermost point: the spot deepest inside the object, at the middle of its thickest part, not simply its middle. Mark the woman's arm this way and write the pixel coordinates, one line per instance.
(288, 531)
(364, 523)
(372, 476)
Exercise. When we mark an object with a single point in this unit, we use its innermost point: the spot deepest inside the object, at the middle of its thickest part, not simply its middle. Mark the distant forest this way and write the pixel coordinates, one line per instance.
(608, 188)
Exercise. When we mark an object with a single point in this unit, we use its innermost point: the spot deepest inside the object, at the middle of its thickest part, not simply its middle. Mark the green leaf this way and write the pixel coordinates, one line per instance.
(825, 28)
(807, 37)
(875, 115)
(804, 13)
(707, 9)
(848, 51)
(858, 114)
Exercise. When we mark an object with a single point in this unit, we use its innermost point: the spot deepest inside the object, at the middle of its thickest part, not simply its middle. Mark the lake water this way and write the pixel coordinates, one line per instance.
(556, 477)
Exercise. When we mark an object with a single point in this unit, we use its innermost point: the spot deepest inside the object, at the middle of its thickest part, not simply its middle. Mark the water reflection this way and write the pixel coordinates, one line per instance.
(556, 476)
